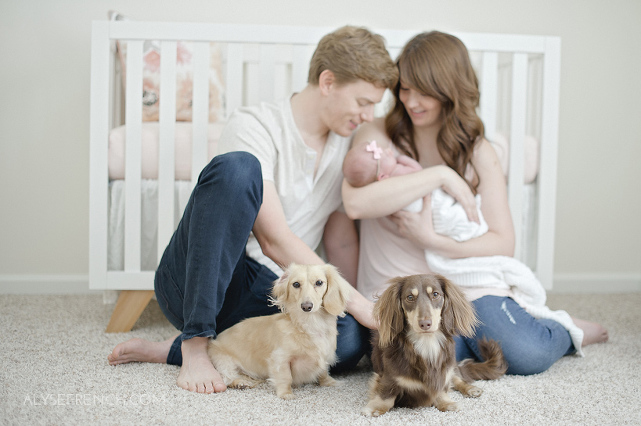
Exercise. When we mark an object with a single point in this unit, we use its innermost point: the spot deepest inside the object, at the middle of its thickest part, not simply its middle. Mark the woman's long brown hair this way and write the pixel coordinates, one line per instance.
(438, 65)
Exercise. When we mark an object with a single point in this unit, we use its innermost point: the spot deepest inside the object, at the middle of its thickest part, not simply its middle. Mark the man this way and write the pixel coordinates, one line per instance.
(266, 202)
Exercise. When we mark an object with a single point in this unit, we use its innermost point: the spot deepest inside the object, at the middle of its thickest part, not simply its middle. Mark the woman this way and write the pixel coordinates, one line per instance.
(434, 121)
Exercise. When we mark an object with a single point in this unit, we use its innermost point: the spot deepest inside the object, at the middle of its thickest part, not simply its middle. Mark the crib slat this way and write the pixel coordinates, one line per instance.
(517, 138)
(141, 280)
(133, 155)
(251, 74)
(548, 162)
(535, 97)
(234, 78)
(282, 73)
(282, 81)
(301, 55)
(266, 72)
(200, 116)
(225, 33)
(98, 151)
(489, 91)
(166, 150)
(500, 43)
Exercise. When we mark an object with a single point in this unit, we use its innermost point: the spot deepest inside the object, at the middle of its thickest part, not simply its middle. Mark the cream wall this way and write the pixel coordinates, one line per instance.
(44, 123)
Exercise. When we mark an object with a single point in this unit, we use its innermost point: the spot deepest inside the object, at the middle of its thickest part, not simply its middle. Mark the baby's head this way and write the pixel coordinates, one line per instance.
(367, 163)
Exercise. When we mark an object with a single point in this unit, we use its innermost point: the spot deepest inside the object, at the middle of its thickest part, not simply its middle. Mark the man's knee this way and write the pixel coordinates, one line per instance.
(232, 166)
(237, 172)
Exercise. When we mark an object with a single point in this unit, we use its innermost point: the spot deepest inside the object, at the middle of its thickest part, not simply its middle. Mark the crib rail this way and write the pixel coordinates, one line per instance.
(519, 82)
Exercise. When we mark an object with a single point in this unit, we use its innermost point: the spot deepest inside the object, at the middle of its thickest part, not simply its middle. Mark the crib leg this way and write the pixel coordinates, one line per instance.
(130, 305)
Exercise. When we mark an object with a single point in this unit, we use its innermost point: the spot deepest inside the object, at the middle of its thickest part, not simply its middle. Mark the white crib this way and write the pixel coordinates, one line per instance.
(519, 78)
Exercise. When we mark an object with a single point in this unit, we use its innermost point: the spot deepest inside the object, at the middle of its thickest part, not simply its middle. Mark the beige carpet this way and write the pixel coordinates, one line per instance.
(54, 371)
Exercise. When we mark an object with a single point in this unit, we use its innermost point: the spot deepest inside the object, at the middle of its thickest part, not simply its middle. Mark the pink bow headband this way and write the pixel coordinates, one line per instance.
(376, 152)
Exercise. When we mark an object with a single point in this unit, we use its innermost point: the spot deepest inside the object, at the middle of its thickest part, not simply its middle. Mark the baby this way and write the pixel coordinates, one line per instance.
(364, 166)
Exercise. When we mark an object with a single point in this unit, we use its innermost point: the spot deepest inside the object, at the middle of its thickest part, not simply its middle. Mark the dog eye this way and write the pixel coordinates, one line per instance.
(319, 283)
(436, 294)
(410, 298)
(296, 284)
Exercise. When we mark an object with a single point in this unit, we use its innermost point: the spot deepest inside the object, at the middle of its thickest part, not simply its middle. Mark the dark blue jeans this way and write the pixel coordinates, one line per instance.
(530, 345)
(205, 283)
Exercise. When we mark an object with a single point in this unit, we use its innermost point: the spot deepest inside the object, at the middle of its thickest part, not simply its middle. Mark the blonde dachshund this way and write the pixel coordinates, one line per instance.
(290, 348)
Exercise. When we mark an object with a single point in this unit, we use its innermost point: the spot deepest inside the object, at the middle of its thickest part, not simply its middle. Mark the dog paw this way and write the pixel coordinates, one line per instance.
(367, 411)
(447, 406)
(474, 392)
(371, 412)
(242, 384)
(286, 396)
(329, 382)
(378, 406)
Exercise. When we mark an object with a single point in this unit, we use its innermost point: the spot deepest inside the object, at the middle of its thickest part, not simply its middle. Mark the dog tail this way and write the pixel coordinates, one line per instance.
(492, 368)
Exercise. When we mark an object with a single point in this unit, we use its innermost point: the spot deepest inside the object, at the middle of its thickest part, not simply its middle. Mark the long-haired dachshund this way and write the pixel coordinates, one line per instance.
(293, 347)
(413, 354)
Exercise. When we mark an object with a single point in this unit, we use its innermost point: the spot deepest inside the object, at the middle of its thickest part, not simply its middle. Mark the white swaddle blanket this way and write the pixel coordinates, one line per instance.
(490, 271)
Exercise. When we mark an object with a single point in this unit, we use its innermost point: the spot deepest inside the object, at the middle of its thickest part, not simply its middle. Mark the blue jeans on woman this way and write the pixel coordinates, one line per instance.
(530, 345)
(205, 283)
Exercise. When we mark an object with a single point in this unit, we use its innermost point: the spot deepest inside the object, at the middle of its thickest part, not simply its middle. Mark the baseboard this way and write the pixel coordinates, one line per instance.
(597, 283)
(44, 284)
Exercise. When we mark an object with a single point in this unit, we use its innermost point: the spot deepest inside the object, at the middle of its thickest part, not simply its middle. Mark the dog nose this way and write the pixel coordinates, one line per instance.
(307, 306)
(425, 324)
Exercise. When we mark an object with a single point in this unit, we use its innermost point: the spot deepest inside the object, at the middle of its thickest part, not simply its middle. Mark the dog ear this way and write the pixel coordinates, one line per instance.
(338, 292)
(459, 317)
(388, 313)
(280, 288)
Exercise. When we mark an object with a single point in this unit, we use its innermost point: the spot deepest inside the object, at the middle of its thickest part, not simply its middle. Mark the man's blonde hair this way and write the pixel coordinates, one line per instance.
(354, 53)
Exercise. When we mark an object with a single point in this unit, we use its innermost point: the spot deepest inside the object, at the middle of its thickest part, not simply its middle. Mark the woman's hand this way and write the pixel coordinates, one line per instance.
(458, 188)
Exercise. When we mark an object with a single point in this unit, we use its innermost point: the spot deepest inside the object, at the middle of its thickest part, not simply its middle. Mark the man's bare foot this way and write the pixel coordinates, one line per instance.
(197, 373)
(592, 332)
(140, 350)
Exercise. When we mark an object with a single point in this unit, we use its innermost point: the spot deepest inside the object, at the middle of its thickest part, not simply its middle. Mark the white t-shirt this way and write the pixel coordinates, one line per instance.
(269, 132)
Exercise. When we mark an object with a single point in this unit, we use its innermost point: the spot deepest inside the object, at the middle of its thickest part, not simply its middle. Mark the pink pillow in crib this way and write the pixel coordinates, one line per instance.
(150, 137)
(184, 78)
(530, 151)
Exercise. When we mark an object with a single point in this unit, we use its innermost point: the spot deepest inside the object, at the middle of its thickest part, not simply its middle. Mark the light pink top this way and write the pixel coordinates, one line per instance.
(384, 254)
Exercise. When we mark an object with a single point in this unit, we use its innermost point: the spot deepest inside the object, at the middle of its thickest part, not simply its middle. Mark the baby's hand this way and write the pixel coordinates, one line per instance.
(417, 227)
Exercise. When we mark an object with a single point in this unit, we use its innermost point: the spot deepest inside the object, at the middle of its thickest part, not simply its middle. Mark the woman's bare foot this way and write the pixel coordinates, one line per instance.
(592, 332)
(197, 373)
(140, 350)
